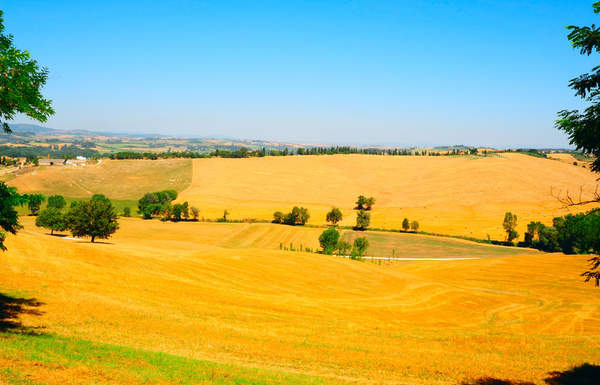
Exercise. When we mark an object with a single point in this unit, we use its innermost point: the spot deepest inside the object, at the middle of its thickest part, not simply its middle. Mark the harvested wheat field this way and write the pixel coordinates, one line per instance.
(459, 195)
(225, 293)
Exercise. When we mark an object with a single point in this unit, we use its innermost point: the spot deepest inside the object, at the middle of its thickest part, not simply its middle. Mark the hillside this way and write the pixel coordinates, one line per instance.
(186, 289)
(458, 195)
(449, 195)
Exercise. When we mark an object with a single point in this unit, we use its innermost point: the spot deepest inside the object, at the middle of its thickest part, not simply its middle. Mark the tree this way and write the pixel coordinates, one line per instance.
(363, 219)
(226, 213)
(405, 224)
(360, 247)
(360, 202)
(57, 201)
(21, 82)
(329, 240)
(510, 225)
(195, 213)
(126, 211)
(278, 217)
(96, 218)
(414, 225)
(34, 202)
(9, 219)
(155, 203)
(364, 203)
(343, 247)
(177, 212)
(334, 216)
(583, 129)
(51, 218)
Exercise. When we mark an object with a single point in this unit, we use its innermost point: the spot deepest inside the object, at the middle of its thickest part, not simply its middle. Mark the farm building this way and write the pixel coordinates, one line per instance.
(51, 162)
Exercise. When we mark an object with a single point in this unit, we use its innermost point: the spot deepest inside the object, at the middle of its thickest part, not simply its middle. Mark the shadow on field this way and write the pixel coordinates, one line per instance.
(585, 374)
(10, 310)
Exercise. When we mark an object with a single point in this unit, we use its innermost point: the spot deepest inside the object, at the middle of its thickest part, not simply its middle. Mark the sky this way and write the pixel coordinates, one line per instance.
(482, 73)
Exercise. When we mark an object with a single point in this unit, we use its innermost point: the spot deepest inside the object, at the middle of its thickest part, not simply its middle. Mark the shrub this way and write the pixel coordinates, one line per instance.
(329, 240)
(126, 211)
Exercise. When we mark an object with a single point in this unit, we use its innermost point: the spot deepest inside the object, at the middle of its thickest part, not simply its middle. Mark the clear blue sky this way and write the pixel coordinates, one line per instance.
(374, 72)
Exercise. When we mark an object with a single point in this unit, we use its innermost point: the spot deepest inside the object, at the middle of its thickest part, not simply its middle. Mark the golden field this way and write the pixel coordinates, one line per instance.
(458, 195)
(225, 292)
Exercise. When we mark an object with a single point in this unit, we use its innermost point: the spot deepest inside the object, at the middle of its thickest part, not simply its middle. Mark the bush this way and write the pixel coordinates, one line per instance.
(329, 240)
(126, 211)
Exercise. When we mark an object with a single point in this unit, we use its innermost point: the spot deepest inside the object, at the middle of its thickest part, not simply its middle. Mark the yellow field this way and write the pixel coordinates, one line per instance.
(450, 195)
(223, 292)
(122, 179)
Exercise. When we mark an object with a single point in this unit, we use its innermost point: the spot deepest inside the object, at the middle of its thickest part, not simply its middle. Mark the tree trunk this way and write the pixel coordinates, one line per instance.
(51, 231)
(93, 237)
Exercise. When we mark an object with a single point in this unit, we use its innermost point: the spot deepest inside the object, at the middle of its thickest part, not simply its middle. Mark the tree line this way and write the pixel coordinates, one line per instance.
(244, 152)
(159, 204)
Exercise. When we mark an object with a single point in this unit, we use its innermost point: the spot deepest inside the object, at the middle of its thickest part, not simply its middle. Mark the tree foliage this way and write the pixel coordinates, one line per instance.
(155, 203)
(414, 226)
(34, 202)
(510, 225)
(329, 240)
(583, 128)
(96, 218)
(21, 82)
(364, 203)
(361, 244)
(51, 218)
(334, 216)
(363, 219)
(9, 219)
(57, 201)
(405, 224)
(298, 216)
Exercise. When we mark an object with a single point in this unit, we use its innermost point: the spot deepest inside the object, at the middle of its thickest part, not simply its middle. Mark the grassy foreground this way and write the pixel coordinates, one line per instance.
(28, 359)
